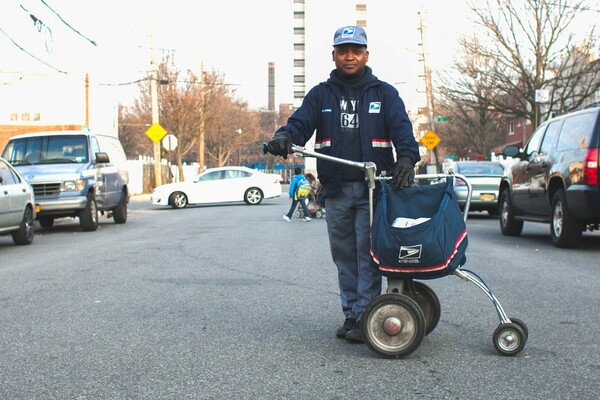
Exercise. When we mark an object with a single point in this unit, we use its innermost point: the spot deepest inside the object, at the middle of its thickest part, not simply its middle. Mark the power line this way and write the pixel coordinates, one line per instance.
(67, 24)
(28, 53)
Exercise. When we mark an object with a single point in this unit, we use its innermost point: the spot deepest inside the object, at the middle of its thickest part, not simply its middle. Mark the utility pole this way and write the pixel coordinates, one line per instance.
(201, 130)
(428, 90)
(154, 95)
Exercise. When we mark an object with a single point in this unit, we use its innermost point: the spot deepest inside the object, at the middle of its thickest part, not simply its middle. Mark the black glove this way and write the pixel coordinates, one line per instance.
(281, 144)
(403, 173)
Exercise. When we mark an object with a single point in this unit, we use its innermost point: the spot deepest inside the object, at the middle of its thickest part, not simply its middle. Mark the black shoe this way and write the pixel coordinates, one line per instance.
(354, 335)
(343, 330)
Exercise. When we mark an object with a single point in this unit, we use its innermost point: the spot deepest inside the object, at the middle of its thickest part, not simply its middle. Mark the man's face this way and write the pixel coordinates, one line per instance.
(350, 59)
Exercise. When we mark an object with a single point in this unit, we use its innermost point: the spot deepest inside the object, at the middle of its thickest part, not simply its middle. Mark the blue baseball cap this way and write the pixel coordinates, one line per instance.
(350, 35)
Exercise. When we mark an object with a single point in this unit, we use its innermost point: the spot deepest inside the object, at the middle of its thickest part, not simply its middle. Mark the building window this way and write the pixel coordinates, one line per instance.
(511, 126)
(299, 78)
(298, 94)
(298, 31)
(36, 116)
(299, 46)
(14, 116)
(25, 116)
(299, 63)
(298, 14)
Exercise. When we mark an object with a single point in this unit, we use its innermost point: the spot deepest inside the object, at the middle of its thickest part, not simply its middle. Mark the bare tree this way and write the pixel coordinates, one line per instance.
(185, 108)
(228, 124)
(533, 46)
(467, 95)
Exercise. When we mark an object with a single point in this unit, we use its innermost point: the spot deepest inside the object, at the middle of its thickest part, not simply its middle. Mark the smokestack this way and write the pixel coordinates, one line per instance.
(271, 103)
(299, 55)
(361, 15)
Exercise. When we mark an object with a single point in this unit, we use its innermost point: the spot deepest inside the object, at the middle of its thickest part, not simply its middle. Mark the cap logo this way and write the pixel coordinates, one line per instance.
(348, 33)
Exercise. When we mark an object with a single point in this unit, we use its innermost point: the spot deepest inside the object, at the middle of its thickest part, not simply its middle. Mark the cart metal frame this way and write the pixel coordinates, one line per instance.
(509, 337)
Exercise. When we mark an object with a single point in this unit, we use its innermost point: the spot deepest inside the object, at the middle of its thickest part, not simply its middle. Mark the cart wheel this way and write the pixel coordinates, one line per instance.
(299, 213)
(427, 301)
(521, 325)
(393, 325)
(319, 214)
(509, 339)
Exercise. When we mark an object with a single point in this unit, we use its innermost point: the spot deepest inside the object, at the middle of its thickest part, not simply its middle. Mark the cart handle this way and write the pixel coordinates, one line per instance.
(370, 173)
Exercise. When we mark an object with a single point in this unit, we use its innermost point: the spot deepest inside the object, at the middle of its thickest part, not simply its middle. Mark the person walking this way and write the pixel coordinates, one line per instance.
(358, 117)
(298, 193)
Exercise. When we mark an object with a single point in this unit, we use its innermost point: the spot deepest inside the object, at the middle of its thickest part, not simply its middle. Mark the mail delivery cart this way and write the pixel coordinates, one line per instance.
(395, 323)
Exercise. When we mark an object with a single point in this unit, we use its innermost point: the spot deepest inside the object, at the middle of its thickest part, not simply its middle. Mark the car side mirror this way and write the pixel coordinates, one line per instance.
(511, 151)
(102, 158)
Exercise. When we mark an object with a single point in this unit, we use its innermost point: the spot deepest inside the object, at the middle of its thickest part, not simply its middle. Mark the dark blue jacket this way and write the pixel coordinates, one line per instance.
(383, 124)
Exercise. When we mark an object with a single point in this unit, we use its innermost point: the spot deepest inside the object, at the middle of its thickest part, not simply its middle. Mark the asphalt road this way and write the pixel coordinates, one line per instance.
(223, 302)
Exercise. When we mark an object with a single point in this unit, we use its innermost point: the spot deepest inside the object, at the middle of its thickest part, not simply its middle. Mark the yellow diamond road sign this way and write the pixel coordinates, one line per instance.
(156, 133)
(430, 140)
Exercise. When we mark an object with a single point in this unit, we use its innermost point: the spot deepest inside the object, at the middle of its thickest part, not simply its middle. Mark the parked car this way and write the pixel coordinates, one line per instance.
(220, 185)
(73, 174)
(484, 177)
(17, 207)
(555, 179)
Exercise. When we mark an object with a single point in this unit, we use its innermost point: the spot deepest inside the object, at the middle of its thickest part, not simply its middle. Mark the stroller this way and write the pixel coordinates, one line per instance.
(315, 203)
(429, 242)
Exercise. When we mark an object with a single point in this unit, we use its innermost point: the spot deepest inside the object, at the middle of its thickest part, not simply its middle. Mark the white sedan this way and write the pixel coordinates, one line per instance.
(17, 206)
(220, 185)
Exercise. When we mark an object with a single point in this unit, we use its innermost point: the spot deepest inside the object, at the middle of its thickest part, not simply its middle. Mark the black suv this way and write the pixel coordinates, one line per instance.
(555, 179)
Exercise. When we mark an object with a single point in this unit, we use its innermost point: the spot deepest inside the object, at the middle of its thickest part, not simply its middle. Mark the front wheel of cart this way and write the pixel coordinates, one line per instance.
(509, 339)
(393, 325)
(428, 303)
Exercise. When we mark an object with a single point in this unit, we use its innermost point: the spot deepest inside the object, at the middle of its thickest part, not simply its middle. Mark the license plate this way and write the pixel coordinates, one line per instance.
(487, 197)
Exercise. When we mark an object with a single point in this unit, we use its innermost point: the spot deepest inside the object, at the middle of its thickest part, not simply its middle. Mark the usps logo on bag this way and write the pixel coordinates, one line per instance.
(410, 253)
(374, 107)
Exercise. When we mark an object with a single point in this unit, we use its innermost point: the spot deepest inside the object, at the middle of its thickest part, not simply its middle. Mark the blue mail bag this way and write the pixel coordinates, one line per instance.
(418, 231)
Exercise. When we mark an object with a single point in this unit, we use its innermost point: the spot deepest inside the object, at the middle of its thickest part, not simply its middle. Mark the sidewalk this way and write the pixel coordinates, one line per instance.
(140, 198)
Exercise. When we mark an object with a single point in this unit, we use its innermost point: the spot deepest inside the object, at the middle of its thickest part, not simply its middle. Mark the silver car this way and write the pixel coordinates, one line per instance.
(17, 206)
(484, 177)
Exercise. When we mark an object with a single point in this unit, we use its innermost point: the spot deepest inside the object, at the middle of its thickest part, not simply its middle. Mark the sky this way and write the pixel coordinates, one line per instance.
(235, 37)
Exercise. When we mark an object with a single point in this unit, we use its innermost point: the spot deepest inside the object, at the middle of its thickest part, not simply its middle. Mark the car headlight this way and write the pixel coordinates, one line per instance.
(73, 186)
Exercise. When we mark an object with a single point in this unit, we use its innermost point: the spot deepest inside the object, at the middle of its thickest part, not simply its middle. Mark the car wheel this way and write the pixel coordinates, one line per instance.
(508, 225)
(46, 222)
(253, 196)
(120, 211)
(25, 233)
(88, 217)
(566, 232)
(178, 200)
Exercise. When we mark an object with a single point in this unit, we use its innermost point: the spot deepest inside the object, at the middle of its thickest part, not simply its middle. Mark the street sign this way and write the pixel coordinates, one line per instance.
(430, 140)
(440, 119)
(156, 133)
(542, 96)
(169, 142)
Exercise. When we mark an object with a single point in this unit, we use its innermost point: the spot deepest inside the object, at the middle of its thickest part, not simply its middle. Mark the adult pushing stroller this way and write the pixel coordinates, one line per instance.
(315, 202)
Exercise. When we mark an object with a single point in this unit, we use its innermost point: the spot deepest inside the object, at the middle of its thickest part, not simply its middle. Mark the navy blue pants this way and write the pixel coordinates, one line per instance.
(302, 201)
(349, 239)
